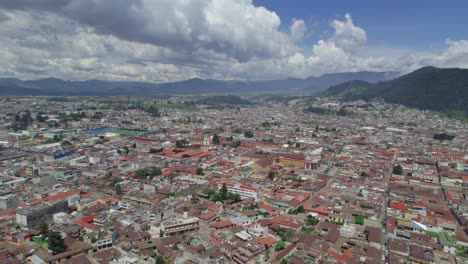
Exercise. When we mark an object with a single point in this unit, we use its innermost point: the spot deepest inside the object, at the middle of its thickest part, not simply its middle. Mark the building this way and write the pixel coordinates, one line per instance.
(7, 198)
(8, 201)
(177, 226)
(242, 190)
(298, 161)
(33, 216)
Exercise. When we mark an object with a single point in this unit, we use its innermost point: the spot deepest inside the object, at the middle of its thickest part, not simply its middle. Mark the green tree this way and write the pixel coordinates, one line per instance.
(284, 261)
(215, 139)
(216, 197)
(311, 220)
(161, 233)
(249, 134)
(182, 143)
(55, 242)
(300, 209)
(208, 192)
(280, 245)
(119, 151)
(152, 150)
(134, 145)
(235, 144)
(233, 196)
(359, 219)
(160, 260)
(199, 171)
(271, 175)
(398, 170)
(223, 191)
(118, 189)
(44, 229)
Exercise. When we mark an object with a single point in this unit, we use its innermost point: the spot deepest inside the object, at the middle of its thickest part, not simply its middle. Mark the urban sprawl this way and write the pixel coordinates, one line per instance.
(265, 180)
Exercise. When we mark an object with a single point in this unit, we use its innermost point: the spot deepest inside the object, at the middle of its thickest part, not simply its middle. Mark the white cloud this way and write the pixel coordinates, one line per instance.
(165, 40)
(347, 36)
(298, 29)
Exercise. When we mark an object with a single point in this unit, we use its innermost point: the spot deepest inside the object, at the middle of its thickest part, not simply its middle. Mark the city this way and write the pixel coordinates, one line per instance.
(233, 132)
(268, 181)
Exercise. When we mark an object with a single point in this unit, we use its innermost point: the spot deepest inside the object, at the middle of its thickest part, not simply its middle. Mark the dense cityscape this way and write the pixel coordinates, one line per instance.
(230, 180)
(233, 132)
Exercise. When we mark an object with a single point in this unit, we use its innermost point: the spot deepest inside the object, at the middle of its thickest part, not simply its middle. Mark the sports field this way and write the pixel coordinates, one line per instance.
(126, 132)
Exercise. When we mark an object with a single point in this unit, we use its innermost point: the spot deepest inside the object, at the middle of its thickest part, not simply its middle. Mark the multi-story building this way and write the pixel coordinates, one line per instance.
(7, 198)
(33, 216)
(243, 190)
(177, 226)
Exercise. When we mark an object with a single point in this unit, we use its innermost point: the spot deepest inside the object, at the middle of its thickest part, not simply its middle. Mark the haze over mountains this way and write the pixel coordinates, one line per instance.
(53, 86)
(426, 88)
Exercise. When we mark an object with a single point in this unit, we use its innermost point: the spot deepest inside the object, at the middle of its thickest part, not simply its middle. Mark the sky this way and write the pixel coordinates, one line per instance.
(173, 40)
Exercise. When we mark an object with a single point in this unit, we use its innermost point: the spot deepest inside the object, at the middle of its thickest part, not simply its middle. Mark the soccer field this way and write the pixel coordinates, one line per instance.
(126, 132)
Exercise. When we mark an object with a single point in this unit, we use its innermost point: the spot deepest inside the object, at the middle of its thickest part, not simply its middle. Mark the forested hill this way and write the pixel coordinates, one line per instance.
(427, 88)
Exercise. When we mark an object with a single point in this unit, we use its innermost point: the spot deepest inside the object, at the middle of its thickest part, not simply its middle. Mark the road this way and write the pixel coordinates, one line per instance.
(384, 242)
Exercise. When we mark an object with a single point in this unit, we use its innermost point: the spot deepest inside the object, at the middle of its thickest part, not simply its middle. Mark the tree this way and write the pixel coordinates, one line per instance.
(249, 134)
(161, 233)
(359, 219)
(280, 245)
(235, 144)
(152, 150)
(284, 261)
(181, 143)
(44, 229)
(119, 151)
(199, 171)
(41, 117)
(208, 192)
(311, 220)
(443, 136)
(233, 196)
(216, 197)
(300, 209)
(56, 244)
(160, 260)
(223, 191)
(134, 145)
(126, 150)
(271, 175)
(118, 189)
(215, 139)
(398, 170)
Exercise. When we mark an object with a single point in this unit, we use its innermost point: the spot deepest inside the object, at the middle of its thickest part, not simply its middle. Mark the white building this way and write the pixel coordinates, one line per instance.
(243, 190)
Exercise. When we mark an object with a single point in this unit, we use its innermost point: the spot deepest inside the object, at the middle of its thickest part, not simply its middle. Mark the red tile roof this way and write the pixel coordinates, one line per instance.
(267, 240)
(344, 257)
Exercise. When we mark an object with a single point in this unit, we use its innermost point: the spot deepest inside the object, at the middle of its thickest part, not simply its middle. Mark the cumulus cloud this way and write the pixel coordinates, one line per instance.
(298, 29)
(236, 28)
(171, 40)
(347, 36)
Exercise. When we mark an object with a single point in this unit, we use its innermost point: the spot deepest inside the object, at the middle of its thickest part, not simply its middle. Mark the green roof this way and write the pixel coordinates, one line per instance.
(446, 239)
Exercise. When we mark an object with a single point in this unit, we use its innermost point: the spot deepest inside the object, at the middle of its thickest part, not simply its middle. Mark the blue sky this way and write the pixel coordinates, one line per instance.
(406, 24)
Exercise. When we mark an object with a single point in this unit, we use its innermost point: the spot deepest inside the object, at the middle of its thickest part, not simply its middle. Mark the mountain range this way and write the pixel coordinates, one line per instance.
(426, 88)
(58, 87)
